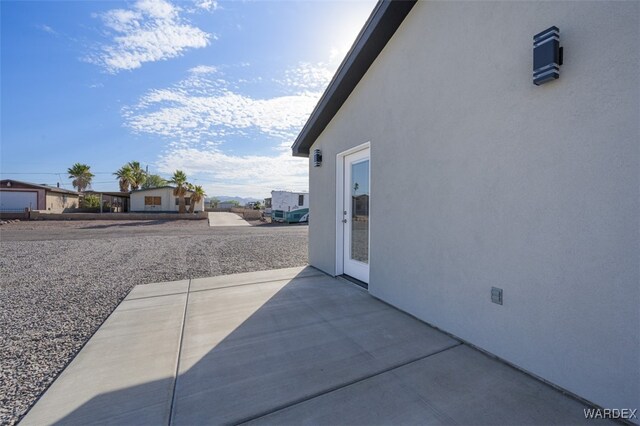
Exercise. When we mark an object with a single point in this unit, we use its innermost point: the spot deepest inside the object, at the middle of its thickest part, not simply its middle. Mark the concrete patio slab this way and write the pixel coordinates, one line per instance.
(124, 374)
(285, 348)
(457, 386)
(210, 283)
(470, 387)
(226, 219)
(158, 289)
(379, 400)
(282, 347)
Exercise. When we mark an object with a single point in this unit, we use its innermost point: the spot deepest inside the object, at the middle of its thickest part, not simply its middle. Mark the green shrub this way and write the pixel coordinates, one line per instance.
(90, 201)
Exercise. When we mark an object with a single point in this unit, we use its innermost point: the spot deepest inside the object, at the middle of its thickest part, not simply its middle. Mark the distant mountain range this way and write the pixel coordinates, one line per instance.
(241, 200)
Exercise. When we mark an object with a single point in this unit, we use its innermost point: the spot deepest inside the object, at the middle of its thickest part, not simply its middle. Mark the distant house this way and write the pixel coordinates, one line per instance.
(160, 200)
(114, 202)
(15, 196)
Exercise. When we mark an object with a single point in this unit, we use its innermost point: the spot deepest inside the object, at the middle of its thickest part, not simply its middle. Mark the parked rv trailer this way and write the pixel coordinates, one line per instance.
(289, 207)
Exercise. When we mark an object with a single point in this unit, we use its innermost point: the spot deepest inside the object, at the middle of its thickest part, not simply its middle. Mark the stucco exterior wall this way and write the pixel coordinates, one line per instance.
(530, 189)
(199, 206)
(167, 200)
(57, 202)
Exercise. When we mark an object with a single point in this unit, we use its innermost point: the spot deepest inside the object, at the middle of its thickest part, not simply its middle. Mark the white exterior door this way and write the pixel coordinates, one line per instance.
(355, 212)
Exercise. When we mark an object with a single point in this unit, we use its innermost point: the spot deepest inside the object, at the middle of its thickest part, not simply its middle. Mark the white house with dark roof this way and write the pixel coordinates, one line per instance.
(523, 234)
(160, 200)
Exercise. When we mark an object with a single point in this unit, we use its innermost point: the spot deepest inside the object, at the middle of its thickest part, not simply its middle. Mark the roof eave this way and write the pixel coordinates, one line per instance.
(45, 187)
(377, 31)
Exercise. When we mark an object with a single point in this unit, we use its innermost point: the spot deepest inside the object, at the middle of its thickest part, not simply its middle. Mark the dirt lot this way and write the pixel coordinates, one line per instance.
(60, 280)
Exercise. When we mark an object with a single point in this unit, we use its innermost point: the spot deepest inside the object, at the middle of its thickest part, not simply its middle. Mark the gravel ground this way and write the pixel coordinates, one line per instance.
(60, 280)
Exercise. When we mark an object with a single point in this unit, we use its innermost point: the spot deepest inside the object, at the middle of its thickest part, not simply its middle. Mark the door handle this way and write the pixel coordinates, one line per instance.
(344, 220)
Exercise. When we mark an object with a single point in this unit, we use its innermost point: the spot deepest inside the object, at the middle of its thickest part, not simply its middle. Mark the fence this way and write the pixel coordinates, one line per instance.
(247, 214)
(14, 213)
(43, 215)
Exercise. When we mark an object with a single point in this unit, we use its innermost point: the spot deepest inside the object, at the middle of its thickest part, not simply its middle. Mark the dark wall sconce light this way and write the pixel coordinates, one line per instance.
(547, 56)
(317, 158)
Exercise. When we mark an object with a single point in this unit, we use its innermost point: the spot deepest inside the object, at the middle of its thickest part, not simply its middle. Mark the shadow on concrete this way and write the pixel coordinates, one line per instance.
(123, 407)
(318, 350)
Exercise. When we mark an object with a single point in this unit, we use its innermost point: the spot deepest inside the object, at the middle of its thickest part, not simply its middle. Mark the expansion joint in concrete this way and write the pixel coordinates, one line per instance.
(217, 288)
(154, 296)
(344, 385)
(177, 370)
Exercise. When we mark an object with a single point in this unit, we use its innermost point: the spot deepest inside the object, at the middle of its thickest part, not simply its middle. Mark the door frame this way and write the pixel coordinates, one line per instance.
(340, 200)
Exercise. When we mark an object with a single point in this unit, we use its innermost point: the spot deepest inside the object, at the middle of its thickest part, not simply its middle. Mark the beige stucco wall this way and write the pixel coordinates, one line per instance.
(57, 202)
(530, 189)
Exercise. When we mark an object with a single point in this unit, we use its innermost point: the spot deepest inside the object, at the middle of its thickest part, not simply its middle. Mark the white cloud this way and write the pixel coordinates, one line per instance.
(175, 113)
(159, 9)
(47, 29)
(207, 4)
(204, 112)
(245, 176)
(203, 105)
(122, 20)
(151, 31)
(203, 69)
(308, 77)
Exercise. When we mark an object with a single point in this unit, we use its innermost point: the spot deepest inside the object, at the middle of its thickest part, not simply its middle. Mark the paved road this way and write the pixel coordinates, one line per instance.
(226, 219)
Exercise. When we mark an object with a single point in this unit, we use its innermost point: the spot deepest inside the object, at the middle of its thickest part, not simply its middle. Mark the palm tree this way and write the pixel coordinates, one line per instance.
(125, 176)
(154, 181)
(131, 175)
(81, 175)
(179, 179)
(138, 175)
(197, 195)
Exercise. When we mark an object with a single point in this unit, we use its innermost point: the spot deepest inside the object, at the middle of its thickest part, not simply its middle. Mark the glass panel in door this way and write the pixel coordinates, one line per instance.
(360, 211)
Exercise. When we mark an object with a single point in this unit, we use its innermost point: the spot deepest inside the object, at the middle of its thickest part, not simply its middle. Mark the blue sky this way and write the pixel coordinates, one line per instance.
(217, 89)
